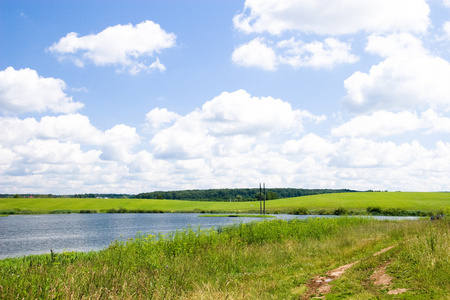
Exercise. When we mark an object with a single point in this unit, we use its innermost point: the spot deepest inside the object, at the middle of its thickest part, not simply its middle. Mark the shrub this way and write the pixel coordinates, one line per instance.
(88, 211)
(300, 211)
(374, 210)
(340, 211)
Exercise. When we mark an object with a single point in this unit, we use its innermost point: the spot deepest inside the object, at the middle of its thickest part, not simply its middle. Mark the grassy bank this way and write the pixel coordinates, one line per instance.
(356, 203)
(262, 260)
(237, 216)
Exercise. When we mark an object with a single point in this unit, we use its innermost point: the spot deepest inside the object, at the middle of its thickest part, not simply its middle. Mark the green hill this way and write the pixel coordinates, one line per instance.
(355, 202)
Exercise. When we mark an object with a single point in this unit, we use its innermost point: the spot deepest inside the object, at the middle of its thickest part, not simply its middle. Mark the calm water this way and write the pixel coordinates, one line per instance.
(36, 234)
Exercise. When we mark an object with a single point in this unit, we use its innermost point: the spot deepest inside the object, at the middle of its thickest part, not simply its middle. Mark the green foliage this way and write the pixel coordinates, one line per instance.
(88, 211)
(377, 211)
(15, 211)
(300, 211)
(61, 211)
(238, 216)
(272, 195)
(227, 194)
(122, 210)
(340, 211)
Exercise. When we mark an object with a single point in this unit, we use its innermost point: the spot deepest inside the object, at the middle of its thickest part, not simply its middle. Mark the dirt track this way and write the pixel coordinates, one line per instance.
(321, 285)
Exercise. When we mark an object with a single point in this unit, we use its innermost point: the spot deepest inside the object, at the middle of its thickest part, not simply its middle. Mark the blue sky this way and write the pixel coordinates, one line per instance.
(137, 96)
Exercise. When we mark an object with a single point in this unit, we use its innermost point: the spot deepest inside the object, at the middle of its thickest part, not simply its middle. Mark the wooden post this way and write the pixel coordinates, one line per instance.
(260, 199)
(264, 198)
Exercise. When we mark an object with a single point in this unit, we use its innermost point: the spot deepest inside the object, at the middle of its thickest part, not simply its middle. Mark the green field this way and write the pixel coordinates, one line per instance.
(325, 203)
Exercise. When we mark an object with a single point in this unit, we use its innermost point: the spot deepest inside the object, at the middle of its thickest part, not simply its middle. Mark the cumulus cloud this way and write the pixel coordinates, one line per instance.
(256, 53)
(261, 54)
(379, 124)
(384, 123)
(409, 78)
(233, 140)
(333, 17)
(316, 54)
(126, 46)
(24, 91)
(236, 114)
(310, 144)
(118, 143)
(68, 154)
(160, 117)
(364, 153)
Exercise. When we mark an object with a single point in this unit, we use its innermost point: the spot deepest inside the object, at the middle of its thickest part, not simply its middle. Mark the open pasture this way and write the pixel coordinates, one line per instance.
(352, 202)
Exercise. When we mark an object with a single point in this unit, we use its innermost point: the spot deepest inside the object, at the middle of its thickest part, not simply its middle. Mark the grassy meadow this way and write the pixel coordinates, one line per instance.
(270, 259)
(323, 204)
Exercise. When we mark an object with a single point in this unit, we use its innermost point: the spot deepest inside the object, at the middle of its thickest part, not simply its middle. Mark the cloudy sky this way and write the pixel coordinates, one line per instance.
(136, 96)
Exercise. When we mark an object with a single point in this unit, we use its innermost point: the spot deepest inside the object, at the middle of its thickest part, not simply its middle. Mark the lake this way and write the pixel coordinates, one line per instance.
(36, 234)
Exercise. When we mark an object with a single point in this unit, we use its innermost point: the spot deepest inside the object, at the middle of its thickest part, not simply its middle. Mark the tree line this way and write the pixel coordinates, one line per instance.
(239, 195)
(243, 194)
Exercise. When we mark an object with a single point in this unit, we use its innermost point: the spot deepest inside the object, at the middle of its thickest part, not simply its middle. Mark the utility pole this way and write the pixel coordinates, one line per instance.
(264, 198)
(260, 199)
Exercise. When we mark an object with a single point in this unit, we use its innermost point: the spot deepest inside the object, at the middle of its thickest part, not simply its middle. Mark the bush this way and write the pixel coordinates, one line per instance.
(300, 211)
(88, 211)
(62, 211)
(374, 210)
(340, 211)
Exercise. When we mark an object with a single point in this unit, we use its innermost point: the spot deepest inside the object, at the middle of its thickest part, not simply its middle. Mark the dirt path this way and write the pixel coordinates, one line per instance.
(320, 285)
(383, 280)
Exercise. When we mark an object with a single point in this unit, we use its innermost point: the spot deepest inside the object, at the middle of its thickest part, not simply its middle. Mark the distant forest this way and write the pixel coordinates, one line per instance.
(236, 194)
(199, 195)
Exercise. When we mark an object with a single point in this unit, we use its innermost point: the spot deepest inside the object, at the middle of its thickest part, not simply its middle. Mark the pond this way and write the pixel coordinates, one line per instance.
(36, 234)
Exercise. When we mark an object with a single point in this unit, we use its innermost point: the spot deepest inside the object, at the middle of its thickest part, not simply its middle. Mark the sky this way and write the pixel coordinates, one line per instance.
(139, 96)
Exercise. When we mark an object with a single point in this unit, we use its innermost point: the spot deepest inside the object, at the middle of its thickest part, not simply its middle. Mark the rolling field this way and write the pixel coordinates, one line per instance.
(352, 202)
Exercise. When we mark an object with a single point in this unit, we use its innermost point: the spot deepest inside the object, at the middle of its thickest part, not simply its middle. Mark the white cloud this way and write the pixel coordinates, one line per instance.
(409, 78)
(256, 53)
(333, 17)
(310, 144)
(39, 153)
(160, 117)
(384, 123)
(261, 54)
(365, 153)
(233, 140)
(238, 115)
(68, 154)
(435, 122)
(316, 54)
(446, 28)
(118, 143)
(379, 124)
(125, 46)
(446, 3)
(395, 45)
(24, 91)
(15, 131)
(75, 128)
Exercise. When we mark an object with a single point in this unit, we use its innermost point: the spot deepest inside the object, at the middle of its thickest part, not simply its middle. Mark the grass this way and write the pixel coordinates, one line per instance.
(238, 216)
(356, 203)
(273, 259)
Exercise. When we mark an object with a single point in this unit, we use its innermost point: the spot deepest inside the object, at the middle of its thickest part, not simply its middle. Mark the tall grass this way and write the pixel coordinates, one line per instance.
(260, 260)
